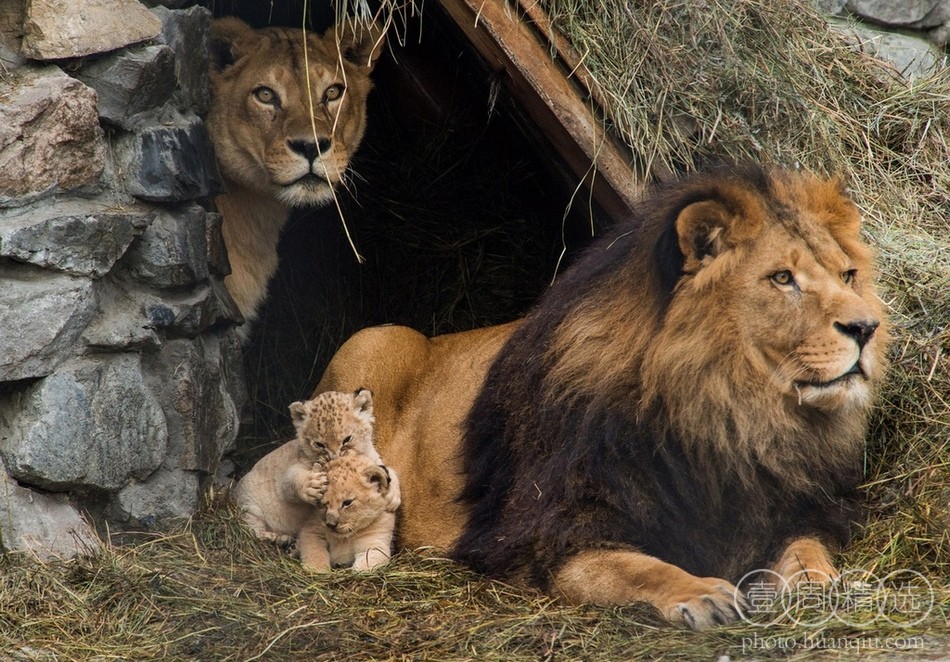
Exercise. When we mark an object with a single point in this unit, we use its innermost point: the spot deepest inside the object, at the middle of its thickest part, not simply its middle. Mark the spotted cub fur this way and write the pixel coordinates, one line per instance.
(354, 528)
(281, 491)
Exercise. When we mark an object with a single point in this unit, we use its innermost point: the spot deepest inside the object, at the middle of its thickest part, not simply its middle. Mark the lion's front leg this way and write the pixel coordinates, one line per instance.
(613, 577)
(805, 560)
(313, 548)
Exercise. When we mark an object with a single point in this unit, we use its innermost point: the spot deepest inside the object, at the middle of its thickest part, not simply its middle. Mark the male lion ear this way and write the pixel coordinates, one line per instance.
(360, 43)
(710, 227)
(229, 41)
(298, 412)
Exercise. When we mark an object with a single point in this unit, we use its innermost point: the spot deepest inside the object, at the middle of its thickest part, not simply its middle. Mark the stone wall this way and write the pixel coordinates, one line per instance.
(120, 380)
(910, 34)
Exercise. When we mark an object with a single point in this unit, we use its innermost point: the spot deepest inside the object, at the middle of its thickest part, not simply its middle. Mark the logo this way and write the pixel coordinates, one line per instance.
(811, 598)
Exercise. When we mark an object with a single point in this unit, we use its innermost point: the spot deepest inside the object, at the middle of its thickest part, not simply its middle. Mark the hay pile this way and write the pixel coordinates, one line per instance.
(685, 81)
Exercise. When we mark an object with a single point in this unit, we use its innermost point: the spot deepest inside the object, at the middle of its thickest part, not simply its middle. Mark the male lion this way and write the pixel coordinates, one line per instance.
(287, 114)
(685, 405)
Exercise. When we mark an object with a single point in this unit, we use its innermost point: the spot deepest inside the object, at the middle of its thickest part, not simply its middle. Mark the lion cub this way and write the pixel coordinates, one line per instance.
(282, 490)
(354, 528)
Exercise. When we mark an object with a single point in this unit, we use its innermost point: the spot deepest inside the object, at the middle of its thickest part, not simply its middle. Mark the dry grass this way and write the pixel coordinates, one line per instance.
(206, 590)
(685, 81)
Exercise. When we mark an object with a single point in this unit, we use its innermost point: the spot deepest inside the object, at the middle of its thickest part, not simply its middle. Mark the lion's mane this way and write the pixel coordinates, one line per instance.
(629, 410)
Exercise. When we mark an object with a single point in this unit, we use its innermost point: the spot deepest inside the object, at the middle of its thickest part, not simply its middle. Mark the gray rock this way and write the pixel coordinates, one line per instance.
(173, 251)
(76, 238)
(50, 139)
(57, 29)
(217, 250)
(186, 32)
(131, 82)
(92, 424)
(172, 162)
(910, 56)
(832, 7)
(45, 526)
(906, 13)
(191, 378)
(41, 317)
(165, 494)
(122, 324)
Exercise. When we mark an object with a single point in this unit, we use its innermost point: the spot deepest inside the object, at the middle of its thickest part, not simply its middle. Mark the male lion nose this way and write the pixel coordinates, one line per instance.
(860, 330)
(331, 521)
(309, 149)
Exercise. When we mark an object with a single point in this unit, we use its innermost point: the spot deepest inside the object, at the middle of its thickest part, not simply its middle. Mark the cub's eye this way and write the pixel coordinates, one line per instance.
(267, 96)
(347, 439)
(849, 276)
(782, 278)
(333, 93)
(346, 503)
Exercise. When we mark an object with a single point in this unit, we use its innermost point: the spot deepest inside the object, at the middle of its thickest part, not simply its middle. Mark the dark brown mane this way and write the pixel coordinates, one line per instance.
(588, 434)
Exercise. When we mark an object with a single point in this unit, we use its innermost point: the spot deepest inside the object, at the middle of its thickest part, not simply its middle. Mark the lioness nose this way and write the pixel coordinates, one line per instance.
(309, 149)
(860, 330)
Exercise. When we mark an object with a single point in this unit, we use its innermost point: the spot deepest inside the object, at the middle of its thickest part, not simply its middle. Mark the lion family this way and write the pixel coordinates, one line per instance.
(687, 404)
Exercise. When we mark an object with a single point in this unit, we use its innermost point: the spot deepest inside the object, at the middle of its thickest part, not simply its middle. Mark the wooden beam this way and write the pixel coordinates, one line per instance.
(509, 44)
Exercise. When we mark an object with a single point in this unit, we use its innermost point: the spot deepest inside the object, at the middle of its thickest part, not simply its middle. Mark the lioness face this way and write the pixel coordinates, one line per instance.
(334, 423)
(288, 112)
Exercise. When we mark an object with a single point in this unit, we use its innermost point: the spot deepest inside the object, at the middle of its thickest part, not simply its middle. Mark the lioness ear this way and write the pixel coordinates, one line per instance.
(708, 228)
(378, 475)
(360, 43)
(229, 39)
(298, 412)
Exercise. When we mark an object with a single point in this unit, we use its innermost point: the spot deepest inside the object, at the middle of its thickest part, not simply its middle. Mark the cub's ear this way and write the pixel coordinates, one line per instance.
(231, 38)
(360, 43)
(708, 228)
(363, 401)
(378, 475)
(298, 413)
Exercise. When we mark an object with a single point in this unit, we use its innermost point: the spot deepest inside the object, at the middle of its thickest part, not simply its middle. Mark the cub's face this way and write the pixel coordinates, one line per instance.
(356, 494)
(335, 423)
(288, 112)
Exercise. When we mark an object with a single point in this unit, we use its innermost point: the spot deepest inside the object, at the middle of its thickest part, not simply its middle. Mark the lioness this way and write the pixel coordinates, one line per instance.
(287, 113)
(684, 405)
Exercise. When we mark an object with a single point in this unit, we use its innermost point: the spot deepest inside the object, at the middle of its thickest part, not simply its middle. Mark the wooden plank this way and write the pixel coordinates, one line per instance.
(508, 44)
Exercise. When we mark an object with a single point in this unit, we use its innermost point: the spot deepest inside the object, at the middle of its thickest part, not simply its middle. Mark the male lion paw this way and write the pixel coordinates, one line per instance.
(704, 603)
(315, 486)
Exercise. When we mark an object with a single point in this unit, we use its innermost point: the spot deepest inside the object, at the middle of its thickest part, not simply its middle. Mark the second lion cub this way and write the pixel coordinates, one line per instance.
(354, 528)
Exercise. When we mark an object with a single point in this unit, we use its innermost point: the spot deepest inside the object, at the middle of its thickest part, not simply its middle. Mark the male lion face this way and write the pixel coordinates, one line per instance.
(289, 111)
(795, 291)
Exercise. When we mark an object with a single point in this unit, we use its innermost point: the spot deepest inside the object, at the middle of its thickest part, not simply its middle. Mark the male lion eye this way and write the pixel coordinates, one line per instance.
(783, 277)
(346, 503)
(347, 439)
(266, 96)
(333, 93)
(848, 276)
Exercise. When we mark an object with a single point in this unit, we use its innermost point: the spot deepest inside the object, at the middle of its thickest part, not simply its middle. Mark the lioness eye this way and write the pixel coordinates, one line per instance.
(848, 276)
(333, 93)
(346, 503)
(347, 439)
(266, 96)
(783, 277)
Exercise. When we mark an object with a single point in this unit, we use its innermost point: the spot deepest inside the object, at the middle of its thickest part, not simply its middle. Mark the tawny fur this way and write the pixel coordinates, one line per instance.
(668, 418)
(353, 527)
(272, 151)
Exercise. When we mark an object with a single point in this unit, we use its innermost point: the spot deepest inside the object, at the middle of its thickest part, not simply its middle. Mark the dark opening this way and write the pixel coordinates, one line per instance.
(459, 209)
